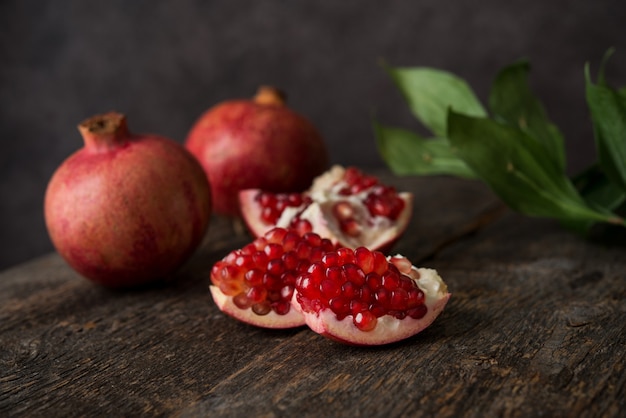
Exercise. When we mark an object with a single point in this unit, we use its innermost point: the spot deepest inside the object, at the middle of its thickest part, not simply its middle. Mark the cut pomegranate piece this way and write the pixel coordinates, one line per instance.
(255, 284)
(361, 297)
(344, 204)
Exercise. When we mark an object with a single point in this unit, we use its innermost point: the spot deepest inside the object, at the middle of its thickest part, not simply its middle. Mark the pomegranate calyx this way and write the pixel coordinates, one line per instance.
(268, 95)
(105, 131)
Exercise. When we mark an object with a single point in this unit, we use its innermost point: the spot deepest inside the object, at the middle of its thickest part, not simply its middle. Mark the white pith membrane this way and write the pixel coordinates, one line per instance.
(291, 319)
(388, 328)
(377, 232)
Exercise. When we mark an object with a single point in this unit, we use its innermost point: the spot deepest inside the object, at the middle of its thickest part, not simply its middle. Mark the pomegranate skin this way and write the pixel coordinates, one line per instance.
(258, 143)
(126, 210)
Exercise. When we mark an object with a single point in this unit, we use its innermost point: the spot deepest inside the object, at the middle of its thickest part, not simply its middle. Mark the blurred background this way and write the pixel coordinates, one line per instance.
(163, 63)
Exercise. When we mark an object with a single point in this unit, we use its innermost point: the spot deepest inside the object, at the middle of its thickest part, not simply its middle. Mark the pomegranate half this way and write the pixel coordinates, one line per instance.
(258, 143)
(126, 209)
(343, 204)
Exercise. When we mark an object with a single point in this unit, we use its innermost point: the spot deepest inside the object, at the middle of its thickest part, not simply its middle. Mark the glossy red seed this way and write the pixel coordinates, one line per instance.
(377, 310)
(327, 245)
(281, 308)
(271, 282)
(286, 293)
(290, 260)
(335, 273)
(303, 250)
(290, 240)
(364, 259)
(346, 255)
(242, 301)
(340, 306)
(390, 280)
(302, 226)
(366, 294)
(350, 227)
(273, 250)
(260, 259)
(262, 308)
(343, 210)
(373, 280)
(330, 259)
(308, 286)
(256, 294)
(316, 254)
(289, 277)
(365, 321)
(231, 287)
(350, 290)
(415, 297)
(244, 261)
(380, 262)
(329, 289)
(352, 273)
(383, 297)
(253, 277)
(313, 239)
(403, 264)
(276, 235)
(275, 267)
(273, 295)
(418, 312)
(399, 300)
(357, 306)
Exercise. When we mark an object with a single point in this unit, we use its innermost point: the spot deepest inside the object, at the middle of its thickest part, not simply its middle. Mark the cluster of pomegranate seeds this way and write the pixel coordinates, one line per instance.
(273, 205)
(380, 200)
(361, 283)
(262, 275)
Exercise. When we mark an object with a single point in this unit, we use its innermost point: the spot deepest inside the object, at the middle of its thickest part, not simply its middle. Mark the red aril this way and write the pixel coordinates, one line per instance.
(361, 297)
(343, 204)
(258, 143)
(126, 209)
(255, 284)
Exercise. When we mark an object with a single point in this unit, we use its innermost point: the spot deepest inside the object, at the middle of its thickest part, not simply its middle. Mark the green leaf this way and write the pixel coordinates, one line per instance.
(608, 112)
(518, 170)
(431, 92)
(599, 192)
(512, 101)
(407, 153)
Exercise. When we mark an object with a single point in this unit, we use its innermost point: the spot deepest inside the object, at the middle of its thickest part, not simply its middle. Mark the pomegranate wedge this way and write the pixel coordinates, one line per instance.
(361, 297)
(343, 204)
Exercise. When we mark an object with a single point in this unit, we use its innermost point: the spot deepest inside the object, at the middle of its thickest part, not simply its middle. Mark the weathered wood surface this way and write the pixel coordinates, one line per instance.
(536, 327)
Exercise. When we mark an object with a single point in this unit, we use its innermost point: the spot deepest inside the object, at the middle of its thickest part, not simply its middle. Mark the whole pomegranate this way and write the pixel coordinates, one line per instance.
(126, 209)
(259, 143)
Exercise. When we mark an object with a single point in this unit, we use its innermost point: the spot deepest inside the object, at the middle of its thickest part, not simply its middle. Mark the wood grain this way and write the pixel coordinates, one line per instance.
(536, 327)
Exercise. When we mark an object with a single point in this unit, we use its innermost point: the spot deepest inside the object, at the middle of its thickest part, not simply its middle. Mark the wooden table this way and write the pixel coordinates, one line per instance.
(536, 327)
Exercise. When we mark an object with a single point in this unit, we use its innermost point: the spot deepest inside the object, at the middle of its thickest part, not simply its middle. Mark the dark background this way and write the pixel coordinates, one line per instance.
(164, 62)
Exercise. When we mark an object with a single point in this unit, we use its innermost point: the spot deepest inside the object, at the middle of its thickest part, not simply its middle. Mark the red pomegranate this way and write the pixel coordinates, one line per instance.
(345, 205)
(126, 209)
(259, 143)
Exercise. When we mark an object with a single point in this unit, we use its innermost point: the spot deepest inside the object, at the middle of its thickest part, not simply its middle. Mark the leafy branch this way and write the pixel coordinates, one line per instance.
(513, 146)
